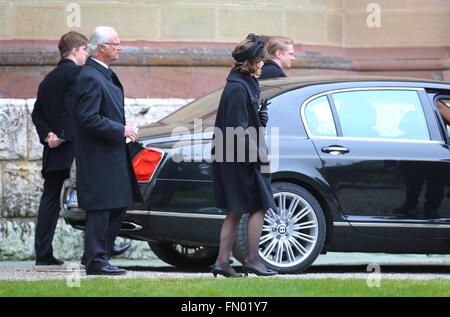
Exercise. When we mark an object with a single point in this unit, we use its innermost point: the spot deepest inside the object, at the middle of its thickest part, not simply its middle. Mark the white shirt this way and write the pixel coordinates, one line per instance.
(100, 62)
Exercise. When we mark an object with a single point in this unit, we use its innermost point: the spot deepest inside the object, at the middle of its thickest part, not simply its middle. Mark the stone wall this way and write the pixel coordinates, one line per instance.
(21, 182)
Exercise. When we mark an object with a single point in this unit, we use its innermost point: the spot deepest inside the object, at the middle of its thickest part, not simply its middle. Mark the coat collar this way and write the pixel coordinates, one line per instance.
(107, 72)
(270, 62)
(249, 82)
(65, 61)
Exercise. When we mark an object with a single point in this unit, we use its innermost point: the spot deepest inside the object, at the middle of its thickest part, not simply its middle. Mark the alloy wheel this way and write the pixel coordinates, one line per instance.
(289, 233)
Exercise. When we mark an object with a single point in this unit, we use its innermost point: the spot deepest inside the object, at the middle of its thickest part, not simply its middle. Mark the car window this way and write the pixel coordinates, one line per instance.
(282, 111)
(319, 117)
(393, 114)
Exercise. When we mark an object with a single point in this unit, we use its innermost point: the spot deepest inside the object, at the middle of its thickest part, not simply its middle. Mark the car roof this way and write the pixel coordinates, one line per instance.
(280, 85)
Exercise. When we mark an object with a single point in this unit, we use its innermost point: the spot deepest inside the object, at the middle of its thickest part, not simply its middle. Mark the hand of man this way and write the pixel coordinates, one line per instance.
(53, 140)
(131, 132)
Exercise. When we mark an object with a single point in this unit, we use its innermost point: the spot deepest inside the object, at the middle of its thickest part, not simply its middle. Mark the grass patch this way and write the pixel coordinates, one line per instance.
(208, 287)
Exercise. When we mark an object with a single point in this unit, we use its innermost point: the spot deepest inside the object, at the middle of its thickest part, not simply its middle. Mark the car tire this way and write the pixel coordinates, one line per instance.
(184, 256)
(290, 241)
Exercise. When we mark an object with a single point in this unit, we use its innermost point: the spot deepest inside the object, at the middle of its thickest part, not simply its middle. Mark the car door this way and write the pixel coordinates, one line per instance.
(385, 159)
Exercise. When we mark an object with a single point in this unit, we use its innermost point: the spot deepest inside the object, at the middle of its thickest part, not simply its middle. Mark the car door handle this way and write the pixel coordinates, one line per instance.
(335, 149)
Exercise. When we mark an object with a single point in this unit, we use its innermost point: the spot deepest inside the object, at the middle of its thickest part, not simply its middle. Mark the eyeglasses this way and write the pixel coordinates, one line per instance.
(113, 44)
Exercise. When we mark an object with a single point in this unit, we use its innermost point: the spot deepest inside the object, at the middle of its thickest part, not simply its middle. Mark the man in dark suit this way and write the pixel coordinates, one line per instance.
(280, 55)
(106, 182)
(53, 118)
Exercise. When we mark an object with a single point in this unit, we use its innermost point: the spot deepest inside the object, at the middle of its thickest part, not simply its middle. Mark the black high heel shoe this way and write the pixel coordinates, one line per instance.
(216, 269)
(248, 268)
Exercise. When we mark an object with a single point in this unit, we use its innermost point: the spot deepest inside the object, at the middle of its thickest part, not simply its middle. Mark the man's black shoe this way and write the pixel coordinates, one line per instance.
(120, 249)
(108, 270)
(50, 261)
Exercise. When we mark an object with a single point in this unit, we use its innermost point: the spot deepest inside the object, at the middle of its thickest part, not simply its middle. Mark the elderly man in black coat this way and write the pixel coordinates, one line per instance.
(106, 181)
(53, 117)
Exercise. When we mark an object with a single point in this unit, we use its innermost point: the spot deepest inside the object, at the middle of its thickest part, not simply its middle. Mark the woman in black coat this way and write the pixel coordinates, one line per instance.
(239, 152)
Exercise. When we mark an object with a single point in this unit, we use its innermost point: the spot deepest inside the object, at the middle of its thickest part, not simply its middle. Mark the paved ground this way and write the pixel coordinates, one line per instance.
(332, 265)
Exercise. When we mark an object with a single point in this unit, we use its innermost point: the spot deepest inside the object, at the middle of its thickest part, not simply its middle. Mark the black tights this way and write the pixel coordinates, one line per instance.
(228, 235)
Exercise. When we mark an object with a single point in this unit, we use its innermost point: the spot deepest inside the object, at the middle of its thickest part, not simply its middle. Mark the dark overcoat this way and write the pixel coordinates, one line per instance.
(105, 176)
(239, 184)
(53, 112)
(271, 70)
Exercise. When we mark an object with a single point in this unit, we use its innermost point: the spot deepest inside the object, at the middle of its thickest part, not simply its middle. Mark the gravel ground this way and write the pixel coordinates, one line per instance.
(69, 273)
(334, 266)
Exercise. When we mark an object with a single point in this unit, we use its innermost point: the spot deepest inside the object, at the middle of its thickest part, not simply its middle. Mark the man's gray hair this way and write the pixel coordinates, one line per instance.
(100, 35)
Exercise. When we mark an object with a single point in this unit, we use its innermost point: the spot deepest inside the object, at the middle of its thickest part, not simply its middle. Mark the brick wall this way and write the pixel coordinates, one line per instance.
(191, 69)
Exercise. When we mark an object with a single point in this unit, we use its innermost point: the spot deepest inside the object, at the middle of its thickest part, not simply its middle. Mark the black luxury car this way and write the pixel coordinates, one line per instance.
(358, 165)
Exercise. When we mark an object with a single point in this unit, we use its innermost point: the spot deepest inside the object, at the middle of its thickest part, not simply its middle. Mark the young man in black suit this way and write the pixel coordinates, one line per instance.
(53, 117)
(106, 183)
(280, 55)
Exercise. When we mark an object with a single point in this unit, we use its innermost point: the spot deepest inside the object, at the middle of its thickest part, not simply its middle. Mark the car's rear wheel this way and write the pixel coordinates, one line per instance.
(184, 256)
(292, 236)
